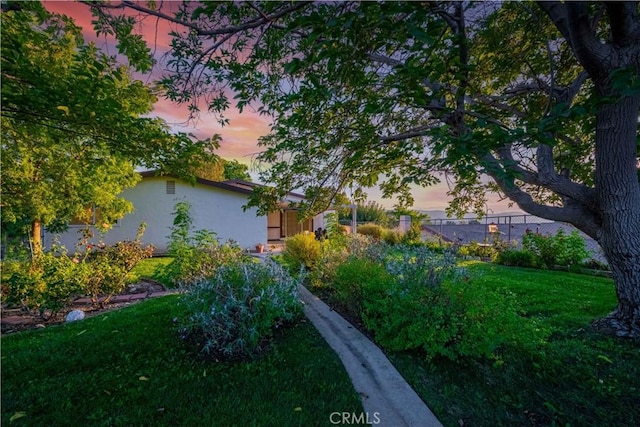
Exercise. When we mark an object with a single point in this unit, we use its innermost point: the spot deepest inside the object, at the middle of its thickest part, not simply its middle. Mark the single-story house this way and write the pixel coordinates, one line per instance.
(215, 206)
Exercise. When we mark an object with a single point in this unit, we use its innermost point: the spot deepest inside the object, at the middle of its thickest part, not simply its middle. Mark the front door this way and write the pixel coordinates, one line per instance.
(291, 226)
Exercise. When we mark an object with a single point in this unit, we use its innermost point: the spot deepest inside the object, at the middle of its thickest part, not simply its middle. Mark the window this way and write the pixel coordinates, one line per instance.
(171, 187)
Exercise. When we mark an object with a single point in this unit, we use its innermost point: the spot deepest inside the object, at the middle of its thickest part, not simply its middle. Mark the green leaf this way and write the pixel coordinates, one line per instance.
(17, 416)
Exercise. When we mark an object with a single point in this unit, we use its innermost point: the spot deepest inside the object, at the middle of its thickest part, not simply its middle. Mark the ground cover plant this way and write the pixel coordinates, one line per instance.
(411, 298)
(129, 367)
(234, 314)
(574, 377)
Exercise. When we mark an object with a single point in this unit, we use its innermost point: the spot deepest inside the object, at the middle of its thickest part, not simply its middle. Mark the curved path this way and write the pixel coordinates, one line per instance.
(386, 397)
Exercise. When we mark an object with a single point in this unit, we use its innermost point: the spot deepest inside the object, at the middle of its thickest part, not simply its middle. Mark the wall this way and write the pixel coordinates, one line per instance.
(212, 208)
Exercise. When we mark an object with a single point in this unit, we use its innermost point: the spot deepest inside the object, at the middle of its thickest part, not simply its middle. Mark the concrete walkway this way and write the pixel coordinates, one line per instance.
(386, 397)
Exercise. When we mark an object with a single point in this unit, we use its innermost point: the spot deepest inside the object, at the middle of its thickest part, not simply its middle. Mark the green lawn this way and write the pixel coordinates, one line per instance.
(578, 378)
(129, 367)
(152, 268)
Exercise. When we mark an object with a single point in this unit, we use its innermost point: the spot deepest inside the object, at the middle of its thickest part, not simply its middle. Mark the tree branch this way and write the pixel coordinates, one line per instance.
(546, 176)
(625, 25)
(415, 132)
(264, 19)
(572, 20)
(576, 214)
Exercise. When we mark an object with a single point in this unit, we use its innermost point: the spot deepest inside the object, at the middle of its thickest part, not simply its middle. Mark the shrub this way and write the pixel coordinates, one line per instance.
(357, 280)
(517, 258)
(453, 321)
(333, 253)
(438, 247)
(413, 235)
(334, 229)
(488, 320)
(419, 266)
(391, 237)
(300, 250)
(420, 319)
(234, 314)
(372, 230)
(475, 249)
(198, 254)
(45, 285)
(48, 283)
(411, 298)
(559, 249)
(104, 269)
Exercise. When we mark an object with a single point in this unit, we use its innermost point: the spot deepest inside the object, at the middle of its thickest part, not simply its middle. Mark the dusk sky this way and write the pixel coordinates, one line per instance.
(240, 136)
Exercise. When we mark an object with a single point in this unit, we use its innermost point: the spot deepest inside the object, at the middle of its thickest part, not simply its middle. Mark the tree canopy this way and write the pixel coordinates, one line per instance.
(540, 97)
(73, 126)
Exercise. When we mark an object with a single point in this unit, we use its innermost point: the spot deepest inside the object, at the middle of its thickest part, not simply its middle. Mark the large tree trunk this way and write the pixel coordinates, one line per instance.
(618, 193)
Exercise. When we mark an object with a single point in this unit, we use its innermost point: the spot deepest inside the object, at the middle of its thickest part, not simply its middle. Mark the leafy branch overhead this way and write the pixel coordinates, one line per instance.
(537, 101)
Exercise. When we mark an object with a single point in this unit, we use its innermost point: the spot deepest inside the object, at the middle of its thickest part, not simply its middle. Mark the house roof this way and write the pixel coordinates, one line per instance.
(236, 185)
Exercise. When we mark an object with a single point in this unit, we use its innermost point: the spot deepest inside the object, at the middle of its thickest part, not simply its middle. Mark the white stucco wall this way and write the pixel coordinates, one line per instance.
(213, 209)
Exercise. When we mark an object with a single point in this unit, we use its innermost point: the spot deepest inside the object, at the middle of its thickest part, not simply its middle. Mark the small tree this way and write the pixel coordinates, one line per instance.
(73, 127)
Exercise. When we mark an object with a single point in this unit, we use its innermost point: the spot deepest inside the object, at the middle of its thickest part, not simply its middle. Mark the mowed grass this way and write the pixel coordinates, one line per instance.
(152, 268)
(129, 367)
(578, 378)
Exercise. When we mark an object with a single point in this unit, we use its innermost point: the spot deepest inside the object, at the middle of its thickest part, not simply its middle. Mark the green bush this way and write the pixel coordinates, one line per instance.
(475, 249)
(49, 282)
(559, 249)
(197, 254)
(45, 285)
(391, 237)
(438, 247)
(413, 235)
(417, 266)
(335, 231)
(300, 250)
(372, 230)
(411, 298)
(421, 319)
(454, 321)
(234, 314)
(333, 253)
(357, 280)
(517, 258)
(104, 269)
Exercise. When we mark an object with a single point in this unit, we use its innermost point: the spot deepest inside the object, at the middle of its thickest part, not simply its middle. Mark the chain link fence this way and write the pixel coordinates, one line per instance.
(509, 228)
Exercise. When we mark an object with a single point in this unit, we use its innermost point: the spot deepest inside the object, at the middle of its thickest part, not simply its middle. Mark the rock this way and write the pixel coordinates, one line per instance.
(74, 315)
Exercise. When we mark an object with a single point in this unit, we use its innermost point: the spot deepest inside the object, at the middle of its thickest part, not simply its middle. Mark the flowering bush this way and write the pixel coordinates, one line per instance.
(47, 284)
(300, 250)
(104, 269)
(233, 314)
